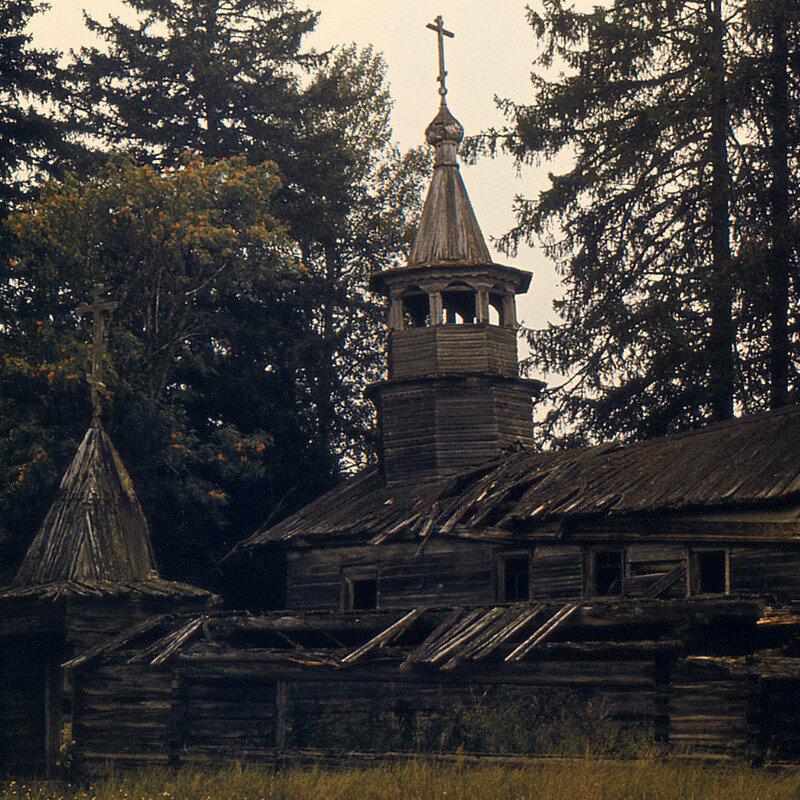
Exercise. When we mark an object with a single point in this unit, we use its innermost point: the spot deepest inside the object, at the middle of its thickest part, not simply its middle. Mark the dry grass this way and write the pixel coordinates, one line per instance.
(418, 780)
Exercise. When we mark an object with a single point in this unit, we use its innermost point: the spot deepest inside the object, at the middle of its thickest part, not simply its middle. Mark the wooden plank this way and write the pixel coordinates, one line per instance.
(519, 652)
(386, 636)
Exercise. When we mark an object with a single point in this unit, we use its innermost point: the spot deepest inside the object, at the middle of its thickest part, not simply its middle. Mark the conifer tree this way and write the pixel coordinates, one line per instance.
(28, 134)
(230, 77)
(640, 225)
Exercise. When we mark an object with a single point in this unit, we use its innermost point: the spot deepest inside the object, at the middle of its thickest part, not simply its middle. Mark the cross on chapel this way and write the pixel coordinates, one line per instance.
(438, 26)
(97, 307)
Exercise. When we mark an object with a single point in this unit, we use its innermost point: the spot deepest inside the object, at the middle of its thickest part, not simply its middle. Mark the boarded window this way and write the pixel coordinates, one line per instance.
(709, 571)
(607, 572)
(515, 578)
(360, 594)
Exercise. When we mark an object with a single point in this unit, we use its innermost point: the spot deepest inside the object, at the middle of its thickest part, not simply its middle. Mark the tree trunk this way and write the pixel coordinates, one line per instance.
(779, 265)
(720, 284)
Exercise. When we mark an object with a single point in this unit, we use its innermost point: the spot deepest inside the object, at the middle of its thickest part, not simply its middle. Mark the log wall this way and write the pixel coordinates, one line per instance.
(444, 426)
(452, 349)
(207, 710)
(449, 573)
(125, 712)
(765, 570)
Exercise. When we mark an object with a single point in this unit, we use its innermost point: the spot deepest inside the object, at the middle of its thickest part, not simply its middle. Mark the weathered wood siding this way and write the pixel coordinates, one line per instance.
(207, 709)
(766, 570)
(225, 712)
(709, 712)
(452, 349)
(124, 710)
(443, 427)
(448, 572)
(556, 571)
(646, 563)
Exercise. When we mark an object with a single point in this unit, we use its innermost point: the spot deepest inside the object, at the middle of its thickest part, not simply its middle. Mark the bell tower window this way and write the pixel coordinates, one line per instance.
(458, 304)
(416, 309)
(497, 314)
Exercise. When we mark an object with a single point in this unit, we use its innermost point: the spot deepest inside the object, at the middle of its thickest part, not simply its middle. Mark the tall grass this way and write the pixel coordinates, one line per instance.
(418, 780)
(500, 720)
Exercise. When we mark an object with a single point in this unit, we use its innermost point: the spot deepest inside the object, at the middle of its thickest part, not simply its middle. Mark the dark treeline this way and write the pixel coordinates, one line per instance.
(675, 226)
(232, 189)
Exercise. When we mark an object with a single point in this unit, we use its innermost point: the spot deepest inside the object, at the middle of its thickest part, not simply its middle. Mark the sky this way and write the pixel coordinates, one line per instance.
(490, 55)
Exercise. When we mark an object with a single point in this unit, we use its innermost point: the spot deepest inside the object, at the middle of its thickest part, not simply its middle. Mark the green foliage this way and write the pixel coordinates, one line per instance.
(29, 137)
(241, 344)
(648, 779)
(216, 76)
(654, 225)
(204, 276)
(227, 78)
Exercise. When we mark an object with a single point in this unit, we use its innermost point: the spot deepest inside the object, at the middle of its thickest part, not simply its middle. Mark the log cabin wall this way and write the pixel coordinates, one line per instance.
(447, 573)
(124, 713)
(712, 712)
(765, 570)
(207, 709)
(453, 572)
(444, 427)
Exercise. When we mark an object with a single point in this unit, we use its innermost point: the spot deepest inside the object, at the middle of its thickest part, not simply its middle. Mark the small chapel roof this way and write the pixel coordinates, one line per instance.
(746, 463)
(95, 530)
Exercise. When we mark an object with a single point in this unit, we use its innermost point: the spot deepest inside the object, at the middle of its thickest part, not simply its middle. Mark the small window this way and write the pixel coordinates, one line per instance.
(607, 571)
(360, 594)
(709, 571)
(515, 578)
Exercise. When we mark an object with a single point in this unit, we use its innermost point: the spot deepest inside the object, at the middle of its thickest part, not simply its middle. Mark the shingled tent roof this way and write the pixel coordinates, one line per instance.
(746, 462)
(95, 530)
(448, 229)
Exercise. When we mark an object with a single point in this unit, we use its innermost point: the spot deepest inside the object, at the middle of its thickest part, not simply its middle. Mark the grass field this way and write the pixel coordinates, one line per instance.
(417, 780)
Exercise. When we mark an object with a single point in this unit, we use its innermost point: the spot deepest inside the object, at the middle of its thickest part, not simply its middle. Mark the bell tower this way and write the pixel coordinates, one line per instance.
(453, 397)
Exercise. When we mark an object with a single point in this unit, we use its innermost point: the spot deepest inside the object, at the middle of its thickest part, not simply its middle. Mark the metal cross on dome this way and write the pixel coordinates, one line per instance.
(438, 26)
(96, 308)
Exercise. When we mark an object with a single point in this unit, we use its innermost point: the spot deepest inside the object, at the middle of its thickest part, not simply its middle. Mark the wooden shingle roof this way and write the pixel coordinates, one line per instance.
(746, 462)
(448, 229)
(95, 530)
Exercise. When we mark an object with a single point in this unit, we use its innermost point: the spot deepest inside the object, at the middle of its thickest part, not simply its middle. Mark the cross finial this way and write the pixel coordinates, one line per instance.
(438, 26)
(98, 305)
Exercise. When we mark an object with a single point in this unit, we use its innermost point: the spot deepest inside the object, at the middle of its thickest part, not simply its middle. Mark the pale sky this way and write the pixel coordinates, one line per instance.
(490, 55)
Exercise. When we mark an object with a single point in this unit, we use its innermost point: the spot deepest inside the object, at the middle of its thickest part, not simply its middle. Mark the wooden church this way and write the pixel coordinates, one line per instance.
(463, 508)
(660, 576)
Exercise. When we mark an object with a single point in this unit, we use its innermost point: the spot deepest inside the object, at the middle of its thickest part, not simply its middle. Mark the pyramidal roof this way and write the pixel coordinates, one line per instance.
(448, 229)
(95, 530)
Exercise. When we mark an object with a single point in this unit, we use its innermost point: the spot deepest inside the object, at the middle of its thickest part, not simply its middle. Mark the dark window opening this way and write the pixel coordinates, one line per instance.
(416, 310)
(516, 578)
(711, 572)
(608, 572)
(363, 594)
(458, 305)
(496, 310)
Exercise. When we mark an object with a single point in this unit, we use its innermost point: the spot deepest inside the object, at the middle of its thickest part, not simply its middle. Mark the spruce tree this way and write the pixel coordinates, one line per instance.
(640, 225)
(29, 136)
